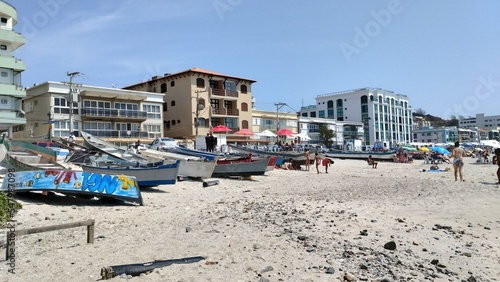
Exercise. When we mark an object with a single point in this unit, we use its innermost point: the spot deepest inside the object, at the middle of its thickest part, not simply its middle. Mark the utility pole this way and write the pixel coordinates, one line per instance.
(278, 105)
(70, 98)
(199, 107)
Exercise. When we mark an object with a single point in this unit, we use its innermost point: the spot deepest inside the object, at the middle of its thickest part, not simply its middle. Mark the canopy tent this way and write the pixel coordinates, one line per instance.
(302, 136)
(265, 133)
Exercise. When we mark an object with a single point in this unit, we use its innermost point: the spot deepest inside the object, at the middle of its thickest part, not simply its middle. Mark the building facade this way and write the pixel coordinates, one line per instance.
(386, 116)
(490, 124)
(110, 113)
(11, 90)
(196, 100)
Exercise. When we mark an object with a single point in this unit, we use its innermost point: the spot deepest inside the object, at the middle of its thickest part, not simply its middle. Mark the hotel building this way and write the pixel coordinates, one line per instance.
(11, 90)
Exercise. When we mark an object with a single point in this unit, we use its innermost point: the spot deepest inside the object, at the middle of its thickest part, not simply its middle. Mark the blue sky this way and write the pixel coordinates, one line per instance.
(444, 55)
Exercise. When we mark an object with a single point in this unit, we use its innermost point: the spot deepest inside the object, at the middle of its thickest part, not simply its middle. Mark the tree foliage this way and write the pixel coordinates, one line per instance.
(326, 135)
(5, 210)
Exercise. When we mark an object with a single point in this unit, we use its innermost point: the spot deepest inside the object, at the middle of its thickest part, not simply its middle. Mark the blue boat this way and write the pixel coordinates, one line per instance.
(147, 176)
(74, 183)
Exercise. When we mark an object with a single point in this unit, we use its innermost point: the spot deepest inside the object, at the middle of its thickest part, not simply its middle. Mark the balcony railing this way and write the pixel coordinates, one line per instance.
(219, 111)
(233, 112)
(225, 93)
(117, 133)
(114, 113)
(352, 133)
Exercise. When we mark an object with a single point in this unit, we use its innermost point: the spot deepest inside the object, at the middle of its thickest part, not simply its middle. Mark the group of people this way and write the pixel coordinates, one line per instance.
(325, 162)
(211, 142)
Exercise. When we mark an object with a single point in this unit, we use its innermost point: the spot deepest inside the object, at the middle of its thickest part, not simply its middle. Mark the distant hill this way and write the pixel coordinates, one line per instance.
(436, 121)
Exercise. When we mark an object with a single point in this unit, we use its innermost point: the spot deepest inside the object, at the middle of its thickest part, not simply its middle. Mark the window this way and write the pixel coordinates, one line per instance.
(329, 104)
(200, 82)
(165, 106)
(61, 128)
(321, 114)
(244, 124)
(153, 130)
(172, 104)
(243, 89)
(230, 85)
(3, 47)
(172, 83)
(97, 108)
(5, 74)
(4, 20)
(244, 107)
(312, 114)
(4, 101)
(163, 88)
(364, 99)
(153, 111)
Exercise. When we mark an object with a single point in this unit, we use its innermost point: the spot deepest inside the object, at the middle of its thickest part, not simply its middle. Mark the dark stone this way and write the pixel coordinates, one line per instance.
(330, 270)
(301, 237)
(390, 246)
(364, 232)
(189, 229)
(471, 279)
(435, 261)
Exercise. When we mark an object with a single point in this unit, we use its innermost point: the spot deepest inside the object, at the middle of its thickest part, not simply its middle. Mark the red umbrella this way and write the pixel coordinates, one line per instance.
(221, 128)
(284, 132)
(245, 132)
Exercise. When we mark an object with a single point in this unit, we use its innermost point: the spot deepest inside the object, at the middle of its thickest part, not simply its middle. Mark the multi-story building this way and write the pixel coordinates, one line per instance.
(420, 122)
(272, 121)
(386, 116)
(11, 90)
(114, 114)
(489, 124)
(449, 135)
(196, 100)
(345, 132)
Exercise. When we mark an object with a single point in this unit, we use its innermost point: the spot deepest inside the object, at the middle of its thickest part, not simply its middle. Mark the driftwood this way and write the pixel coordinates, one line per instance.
(139, 268)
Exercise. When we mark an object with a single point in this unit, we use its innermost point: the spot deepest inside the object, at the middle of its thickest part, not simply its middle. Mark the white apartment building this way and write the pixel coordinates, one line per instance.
(385, 115)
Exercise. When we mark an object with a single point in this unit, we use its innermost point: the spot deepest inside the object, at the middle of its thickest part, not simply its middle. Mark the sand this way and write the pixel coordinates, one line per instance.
(284, 226)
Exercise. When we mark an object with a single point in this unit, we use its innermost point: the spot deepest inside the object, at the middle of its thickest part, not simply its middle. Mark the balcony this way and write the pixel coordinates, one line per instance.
(12, 90)
(352, 133)
(10, 62)
(112, 114)
(225, 112)
(117, 133)
(225, 93)
(15, 38)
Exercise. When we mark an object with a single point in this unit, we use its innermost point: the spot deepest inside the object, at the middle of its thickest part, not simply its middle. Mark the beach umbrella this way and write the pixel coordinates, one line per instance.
(302, 136)
(266, 133)
(479, 149)
(440, 150)
(284, 132)
(244, 132)
(409, 149)
(220, 129)
(423, 149)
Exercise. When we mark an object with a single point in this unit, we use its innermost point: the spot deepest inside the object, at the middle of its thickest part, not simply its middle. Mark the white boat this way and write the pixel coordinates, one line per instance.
(110, 148)
(190, 166)
(385, 156)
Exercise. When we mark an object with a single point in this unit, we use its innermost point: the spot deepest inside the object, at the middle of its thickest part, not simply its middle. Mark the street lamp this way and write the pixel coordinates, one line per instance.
(199, 107)
(49, 115)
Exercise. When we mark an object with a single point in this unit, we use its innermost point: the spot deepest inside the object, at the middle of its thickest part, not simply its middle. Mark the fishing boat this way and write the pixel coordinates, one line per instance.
(24, 156)
(298, 157)
(110, 148)
(380, 156)
(195, 153)
(74, 183)
(146, 176)
(190, 166)
(244, 169)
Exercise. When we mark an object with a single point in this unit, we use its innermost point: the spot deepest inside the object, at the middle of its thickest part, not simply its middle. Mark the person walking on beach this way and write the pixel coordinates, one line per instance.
(317, 160)
(307, 154)
(326, 163)
(458, 163)
(496, 160)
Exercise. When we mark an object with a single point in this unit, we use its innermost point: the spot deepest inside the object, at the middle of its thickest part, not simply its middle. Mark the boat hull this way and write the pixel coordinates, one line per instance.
(146, 176)
(299, 157)
(361, 155)
(243, 169)
(76, 183)
(190, 166)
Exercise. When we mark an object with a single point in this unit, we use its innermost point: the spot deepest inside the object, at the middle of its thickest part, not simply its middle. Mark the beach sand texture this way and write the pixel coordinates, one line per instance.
(285, 226)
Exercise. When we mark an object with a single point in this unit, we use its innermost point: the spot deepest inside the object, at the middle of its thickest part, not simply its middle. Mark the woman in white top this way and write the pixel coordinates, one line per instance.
(458, 163)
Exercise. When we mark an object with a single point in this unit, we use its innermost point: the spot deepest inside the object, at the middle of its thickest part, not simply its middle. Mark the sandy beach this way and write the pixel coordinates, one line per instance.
(356, 223)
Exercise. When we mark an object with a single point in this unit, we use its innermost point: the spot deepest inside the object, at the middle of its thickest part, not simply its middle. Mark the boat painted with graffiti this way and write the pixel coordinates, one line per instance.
(74, 183)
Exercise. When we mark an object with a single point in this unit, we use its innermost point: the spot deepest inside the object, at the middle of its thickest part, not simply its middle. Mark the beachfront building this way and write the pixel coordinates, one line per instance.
(490, 125)
(116, 115)
(449, 135)
(420, 122)
(385, 115)
(196, 100)
(11, 90)
(347, 134)
(272, 121)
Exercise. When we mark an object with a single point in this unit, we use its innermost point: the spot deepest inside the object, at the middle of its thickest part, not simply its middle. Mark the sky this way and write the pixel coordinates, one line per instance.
(444, 55)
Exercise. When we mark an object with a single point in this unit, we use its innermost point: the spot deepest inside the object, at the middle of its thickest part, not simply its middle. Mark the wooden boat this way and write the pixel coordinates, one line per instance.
(296, 156)
(110, 148)
(75, 183)
(190, 166)
(24, 156)
(232, 160)
(146, 176)
(196, 153)
(386, 156)
(244, 169)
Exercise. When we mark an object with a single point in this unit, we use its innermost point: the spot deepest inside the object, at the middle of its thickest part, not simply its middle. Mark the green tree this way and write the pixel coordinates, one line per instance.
(5, 210)
(326, 135)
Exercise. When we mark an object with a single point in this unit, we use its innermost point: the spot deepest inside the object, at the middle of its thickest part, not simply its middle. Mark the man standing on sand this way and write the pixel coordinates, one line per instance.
(496, 159)
(317, 160)
(307, 154)
(458, 163)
